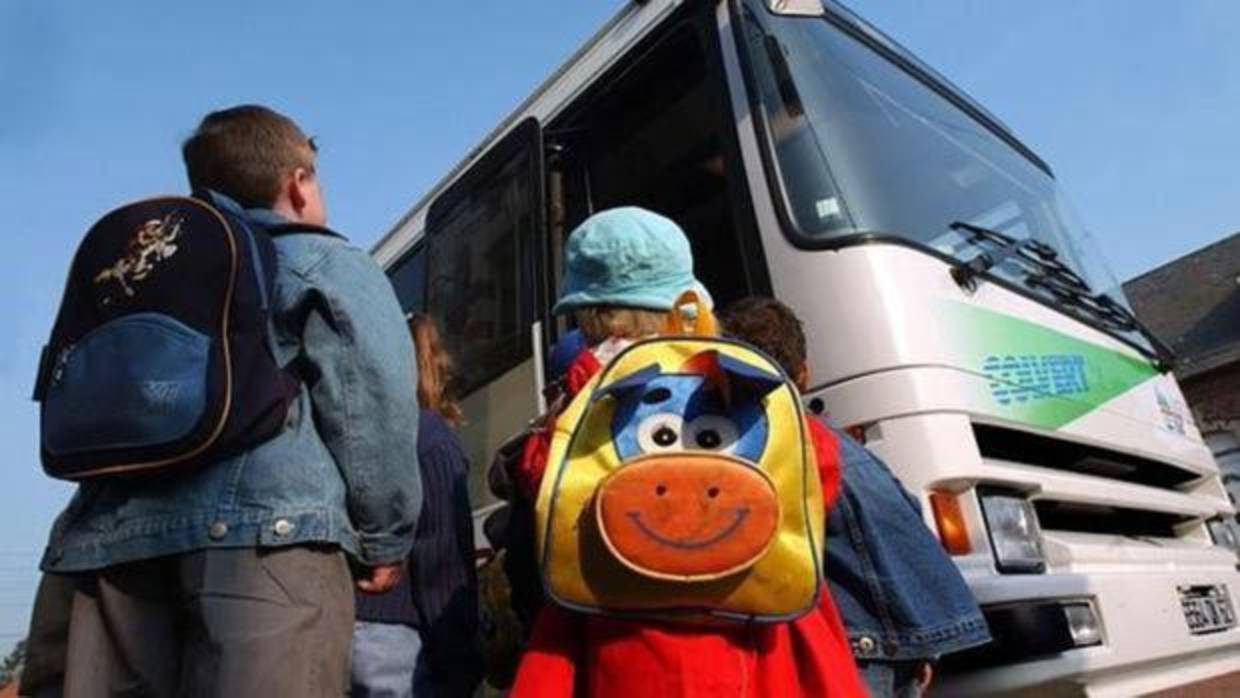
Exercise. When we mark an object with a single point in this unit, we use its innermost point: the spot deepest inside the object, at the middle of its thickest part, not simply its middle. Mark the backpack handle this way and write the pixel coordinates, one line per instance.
(701, 324)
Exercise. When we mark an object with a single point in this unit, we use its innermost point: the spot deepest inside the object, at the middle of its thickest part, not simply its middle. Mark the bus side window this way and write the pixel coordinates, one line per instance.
(483, 235)
(408, 277)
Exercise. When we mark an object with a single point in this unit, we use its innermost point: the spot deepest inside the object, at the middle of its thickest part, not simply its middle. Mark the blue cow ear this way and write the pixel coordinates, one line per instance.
(747, 382)
(636, 381)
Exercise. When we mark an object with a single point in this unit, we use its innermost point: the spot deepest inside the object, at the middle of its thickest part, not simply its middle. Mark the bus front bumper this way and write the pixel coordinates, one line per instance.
(1145, 643)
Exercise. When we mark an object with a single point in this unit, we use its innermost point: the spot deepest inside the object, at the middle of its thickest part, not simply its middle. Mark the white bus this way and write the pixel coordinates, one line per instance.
(960, 318)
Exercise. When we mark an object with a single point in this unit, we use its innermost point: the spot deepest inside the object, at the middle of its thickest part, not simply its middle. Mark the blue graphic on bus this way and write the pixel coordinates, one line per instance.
(1026, 377)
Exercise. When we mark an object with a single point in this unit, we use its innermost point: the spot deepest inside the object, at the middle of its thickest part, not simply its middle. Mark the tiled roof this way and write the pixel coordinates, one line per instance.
(1193, 304)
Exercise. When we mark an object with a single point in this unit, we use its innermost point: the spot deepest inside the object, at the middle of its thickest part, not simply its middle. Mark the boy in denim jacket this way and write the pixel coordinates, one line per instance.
(232, 580)
(903, 601)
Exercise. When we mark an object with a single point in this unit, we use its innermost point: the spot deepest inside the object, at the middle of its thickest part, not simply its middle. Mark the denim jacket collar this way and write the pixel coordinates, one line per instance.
(266, 216)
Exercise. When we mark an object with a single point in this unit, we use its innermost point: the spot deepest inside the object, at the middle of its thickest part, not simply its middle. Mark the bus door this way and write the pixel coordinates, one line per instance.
(657, 131)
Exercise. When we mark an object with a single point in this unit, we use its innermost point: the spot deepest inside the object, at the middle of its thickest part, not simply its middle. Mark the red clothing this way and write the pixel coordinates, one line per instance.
(578, 655)
(528, 475)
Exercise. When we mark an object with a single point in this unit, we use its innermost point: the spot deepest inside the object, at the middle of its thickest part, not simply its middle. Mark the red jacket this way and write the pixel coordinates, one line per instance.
(577, 655)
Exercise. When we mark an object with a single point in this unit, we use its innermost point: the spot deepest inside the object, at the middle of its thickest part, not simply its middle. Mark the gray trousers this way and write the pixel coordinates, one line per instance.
(222, 622)
(47, 643)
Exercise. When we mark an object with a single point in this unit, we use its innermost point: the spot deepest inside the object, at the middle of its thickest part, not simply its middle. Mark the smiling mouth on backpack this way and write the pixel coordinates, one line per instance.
(689, 544)
(687, 516)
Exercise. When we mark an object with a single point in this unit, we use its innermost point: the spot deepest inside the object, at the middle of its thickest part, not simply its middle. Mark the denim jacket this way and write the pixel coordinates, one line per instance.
(900, 595)
(344, 469)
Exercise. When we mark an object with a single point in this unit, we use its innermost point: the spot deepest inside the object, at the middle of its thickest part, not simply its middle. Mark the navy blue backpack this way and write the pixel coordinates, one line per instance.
(160, 359)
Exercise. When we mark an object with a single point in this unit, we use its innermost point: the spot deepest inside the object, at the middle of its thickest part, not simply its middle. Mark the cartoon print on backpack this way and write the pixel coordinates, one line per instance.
(151, 242)
(679, 487)
(174, 337)
(689, 500)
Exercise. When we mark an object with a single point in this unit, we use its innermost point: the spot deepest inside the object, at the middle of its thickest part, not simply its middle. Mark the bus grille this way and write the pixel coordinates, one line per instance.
(1016, 446)
(1023, 447)
(1094, 518)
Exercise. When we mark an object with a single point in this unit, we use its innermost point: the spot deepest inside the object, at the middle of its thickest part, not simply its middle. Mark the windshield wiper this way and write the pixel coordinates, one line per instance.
(1046, 271)
(967, 274)
(1036, 257)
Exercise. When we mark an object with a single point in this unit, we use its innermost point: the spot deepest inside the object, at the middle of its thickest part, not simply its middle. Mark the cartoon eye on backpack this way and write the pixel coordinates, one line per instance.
(680, 484)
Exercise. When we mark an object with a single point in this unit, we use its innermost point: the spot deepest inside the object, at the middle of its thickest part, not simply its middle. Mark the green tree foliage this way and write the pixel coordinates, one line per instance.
(12, 664)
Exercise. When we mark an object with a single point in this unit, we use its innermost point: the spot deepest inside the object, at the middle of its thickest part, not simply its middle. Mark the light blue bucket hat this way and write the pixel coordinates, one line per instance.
(627, 257)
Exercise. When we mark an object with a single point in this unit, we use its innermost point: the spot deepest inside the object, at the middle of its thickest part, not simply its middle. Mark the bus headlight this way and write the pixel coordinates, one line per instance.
(1223, 531)
(1015, 537)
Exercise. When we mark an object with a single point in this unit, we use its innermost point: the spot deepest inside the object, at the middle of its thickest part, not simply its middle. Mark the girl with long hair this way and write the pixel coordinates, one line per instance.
(419, 639)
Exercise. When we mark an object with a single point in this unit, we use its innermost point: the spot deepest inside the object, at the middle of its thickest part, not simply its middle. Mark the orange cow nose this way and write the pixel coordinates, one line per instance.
(687, 516)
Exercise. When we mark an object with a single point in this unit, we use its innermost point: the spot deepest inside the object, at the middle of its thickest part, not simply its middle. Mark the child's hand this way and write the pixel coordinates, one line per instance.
(925, 674)
(381, 578)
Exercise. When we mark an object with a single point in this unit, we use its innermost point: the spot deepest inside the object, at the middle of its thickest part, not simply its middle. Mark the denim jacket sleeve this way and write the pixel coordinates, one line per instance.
(357, 350)
(901, 597)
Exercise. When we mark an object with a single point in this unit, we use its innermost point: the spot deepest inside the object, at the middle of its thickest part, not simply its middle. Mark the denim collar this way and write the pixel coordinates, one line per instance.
(266, 216)
(262, 216)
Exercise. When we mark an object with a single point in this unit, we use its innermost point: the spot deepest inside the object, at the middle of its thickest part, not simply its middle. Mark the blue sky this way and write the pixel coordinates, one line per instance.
(1134, 103)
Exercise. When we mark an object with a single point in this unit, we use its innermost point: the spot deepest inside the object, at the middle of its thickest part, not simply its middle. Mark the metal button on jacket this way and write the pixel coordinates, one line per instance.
(218, 530)
(866, 644)
(283, 527)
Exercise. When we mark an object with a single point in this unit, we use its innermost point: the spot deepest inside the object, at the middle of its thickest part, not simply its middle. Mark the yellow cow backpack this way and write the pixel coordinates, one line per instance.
(681, 484)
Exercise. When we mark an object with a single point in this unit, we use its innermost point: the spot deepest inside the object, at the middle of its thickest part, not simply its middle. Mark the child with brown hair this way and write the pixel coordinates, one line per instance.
(233, 578)
(903, 601)
(418, 639)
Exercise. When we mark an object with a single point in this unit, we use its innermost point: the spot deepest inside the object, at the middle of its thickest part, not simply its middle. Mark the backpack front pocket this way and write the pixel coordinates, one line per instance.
(135, 382)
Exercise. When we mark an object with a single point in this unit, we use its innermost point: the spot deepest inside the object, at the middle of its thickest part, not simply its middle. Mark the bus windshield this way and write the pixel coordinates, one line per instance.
(862, 146)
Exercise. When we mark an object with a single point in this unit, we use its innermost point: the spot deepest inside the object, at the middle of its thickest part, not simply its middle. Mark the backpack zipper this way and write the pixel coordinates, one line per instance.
(58, 371)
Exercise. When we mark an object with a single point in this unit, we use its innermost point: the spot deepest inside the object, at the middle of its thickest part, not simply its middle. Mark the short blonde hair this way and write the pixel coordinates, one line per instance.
(600, 323)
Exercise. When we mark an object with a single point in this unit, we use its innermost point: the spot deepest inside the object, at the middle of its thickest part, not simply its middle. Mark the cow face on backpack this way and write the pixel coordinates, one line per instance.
(680, 485)
(689, 500)
(160, 357)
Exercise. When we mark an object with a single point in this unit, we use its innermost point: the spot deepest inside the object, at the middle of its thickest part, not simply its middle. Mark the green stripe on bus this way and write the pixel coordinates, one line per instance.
(1042, 376)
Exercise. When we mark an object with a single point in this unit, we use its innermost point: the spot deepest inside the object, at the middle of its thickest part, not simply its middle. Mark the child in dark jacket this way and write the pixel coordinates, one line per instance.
(418, 640)
(626, 268)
